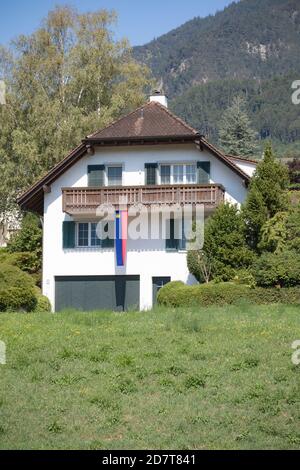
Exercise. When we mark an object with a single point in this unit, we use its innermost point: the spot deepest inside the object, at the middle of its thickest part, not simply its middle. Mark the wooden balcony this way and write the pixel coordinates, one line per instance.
(87, 200)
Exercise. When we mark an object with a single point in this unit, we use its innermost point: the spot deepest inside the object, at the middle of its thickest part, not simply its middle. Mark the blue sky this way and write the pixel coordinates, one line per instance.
(139, 20)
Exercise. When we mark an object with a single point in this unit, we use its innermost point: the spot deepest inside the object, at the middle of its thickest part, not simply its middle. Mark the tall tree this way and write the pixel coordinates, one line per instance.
(267, 196)
(64, 81)
(236, 134)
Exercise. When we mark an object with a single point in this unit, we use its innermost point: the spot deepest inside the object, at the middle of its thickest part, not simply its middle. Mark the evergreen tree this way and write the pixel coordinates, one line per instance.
(236, 134)
(274, 233)
(224, 246)
(267, 196)
(293, 229)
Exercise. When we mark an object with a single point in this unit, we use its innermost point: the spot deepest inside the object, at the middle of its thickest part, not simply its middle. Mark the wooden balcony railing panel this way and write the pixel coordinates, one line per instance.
(86, 200)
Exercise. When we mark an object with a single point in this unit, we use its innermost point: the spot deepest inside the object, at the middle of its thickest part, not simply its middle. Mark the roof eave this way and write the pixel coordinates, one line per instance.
(221, 156)
(139, 139)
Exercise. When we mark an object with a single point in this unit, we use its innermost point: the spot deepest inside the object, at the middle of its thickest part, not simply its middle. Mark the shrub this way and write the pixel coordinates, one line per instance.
(203, 295)
(12, 276)
(16, 289)
(17, 298)
(24, 260)
(244, 276)
(27, 242)
(29, 237)
(43, 304)
(286, 295)
(277, 269)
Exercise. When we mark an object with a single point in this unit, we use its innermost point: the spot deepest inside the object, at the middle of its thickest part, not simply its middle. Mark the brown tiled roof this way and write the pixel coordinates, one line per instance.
(150, 120)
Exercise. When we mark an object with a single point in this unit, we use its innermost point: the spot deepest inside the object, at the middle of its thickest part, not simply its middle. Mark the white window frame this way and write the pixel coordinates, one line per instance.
(77, 235)
(172, 165)
(112, 165)
(90, 222)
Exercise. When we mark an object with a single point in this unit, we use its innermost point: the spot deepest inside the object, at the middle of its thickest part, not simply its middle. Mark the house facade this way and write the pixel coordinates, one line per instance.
(147, 160)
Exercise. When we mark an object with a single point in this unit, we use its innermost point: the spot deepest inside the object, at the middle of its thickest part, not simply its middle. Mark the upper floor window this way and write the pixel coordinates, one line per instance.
(151, 173)
(114, 175)
(165, 174)
(178, 173)
(203, 170)
(96, 175)
(99, 175)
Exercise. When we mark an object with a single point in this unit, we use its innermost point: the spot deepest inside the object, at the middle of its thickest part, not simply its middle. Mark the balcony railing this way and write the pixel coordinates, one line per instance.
(87, 200)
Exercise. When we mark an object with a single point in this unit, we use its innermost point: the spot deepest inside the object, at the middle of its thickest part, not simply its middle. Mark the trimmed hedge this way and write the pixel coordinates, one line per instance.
(178, 294)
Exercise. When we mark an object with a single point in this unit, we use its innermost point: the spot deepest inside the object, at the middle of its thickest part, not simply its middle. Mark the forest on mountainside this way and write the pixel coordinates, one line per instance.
(251, 48)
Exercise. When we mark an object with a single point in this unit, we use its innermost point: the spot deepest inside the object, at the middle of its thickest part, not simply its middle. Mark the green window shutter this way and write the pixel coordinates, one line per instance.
(203, 170)
(108, 242)
(172, 243)
(68, 234)
(150, 171)
(182, 240)
(96, 175)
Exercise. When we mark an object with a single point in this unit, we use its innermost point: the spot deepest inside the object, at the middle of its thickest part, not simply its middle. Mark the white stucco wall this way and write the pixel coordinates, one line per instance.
(144, 258)
(248, 167)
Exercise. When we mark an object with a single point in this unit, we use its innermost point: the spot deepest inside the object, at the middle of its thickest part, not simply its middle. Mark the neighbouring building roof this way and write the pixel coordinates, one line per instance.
(241, 159)
(150, 124)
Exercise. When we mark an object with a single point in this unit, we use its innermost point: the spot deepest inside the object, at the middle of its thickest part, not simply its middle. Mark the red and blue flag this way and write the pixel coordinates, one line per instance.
(121, 236)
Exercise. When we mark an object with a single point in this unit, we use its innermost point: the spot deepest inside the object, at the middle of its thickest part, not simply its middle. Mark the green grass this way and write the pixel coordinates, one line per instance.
(184, 379)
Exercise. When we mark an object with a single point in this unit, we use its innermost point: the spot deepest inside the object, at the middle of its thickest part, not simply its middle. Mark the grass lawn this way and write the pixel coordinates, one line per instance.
(184, 379)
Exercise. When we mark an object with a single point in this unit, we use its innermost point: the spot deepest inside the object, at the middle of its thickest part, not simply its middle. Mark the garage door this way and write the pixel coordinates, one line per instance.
(97, 292)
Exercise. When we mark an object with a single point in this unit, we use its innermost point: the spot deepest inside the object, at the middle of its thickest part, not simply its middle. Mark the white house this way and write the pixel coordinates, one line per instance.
(149, 157)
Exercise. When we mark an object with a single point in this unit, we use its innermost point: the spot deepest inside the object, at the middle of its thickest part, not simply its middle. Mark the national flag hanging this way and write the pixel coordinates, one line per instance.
(121, 236)
(124, 223)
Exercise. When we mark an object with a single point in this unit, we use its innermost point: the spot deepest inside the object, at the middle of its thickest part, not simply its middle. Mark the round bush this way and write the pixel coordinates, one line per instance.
(43, 304)
(16, 289)
(12, 276)
(17, 299)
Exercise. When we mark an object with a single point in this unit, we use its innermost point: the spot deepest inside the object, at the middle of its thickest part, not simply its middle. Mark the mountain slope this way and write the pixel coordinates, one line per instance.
(255, 39)
(269, 103)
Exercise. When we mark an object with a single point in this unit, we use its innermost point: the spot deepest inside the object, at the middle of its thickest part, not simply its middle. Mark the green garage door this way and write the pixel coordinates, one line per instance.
(97, 292)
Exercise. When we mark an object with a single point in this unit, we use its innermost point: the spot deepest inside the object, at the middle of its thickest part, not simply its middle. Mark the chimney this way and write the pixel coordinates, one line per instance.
(159, 98)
